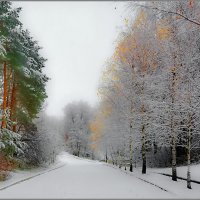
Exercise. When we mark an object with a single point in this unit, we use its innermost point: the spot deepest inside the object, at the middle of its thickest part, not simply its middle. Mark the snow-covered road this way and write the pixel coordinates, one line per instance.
(80, 178)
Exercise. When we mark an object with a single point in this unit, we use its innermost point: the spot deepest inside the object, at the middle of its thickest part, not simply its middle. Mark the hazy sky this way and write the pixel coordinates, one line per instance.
(77, 38)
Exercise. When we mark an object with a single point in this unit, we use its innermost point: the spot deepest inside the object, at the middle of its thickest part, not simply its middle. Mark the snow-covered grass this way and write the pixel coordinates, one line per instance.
(182, 171)
(20, 175)
(177, 188)
(73, 177)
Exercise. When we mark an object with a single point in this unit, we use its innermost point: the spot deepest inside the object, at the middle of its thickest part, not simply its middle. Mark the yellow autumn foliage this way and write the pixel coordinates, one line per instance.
(140, 19)
(110, 74)
(96, 127)
(93, 146)
(163, 32)
(124, 48)
(106, 110)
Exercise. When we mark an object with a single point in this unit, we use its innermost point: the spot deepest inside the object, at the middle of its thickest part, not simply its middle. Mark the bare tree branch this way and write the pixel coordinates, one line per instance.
(171, 12)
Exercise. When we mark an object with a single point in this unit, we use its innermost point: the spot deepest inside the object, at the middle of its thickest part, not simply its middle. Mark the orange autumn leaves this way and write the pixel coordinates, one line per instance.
(123, 49)
(128, 43)
(131, 46)
(163, 32)
(130, 49)
(97, 125)
(140, 19)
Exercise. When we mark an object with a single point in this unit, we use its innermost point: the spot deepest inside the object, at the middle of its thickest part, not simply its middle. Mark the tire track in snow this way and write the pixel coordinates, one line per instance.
(140, 179)
(30, 177)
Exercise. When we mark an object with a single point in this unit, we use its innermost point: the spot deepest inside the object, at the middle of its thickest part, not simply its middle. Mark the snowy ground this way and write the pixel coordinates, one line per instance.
(72, 177)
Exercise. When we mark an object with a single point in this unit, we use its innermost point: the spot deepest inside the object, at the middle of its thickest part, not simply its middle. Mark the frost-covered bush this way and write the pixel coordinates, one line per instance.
(11, 143)
(32, 153)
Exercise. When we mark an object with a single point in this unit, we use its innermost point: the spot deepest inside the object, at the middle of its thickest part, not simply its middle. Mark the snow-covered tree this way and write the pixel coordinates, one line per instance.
(76, 127)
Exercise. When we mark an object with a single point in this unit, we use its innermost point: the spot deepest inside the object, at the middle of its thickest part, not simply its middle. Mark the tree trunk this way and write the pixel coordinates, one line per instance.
(131, 140)
(131, 155)
(13, 105)
(119, 159)
(131, 167)
(174, 174)
(106, 158)
(3, 125)
(188, 171)
(173, 136)
(188, 157)
(9, 87)
(143, 151)
(144, 167)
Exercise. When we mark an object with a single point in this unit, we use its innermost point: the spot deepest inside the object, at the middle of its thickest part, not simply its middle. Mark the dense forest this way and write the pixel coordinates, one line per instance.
(22, 91)
(149, 92)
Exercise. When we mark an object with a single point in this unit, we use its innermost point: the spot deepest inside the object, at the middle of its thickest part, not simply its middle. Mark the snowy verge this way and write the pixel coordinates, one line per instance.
(18, 176)
(181, 171)
(177, 188)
